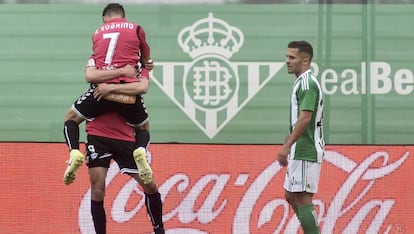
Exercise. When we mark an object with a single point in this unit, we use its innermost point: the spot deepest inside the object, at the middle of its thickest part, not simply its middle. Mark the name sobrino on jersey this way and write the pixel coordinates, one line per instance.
(117, 25)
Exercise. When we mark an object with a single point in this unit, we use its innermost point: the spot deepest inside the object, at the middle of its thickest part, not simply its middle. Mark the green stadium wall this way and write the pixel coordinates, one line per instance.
(363, 57)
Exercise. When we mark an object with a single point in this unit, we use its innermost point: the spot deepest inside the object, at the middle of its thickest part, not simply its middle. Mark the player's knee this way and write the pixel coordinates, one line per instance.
(97, 184)
(150, 188)
(98, 194)
(290, 198)
(72, 116)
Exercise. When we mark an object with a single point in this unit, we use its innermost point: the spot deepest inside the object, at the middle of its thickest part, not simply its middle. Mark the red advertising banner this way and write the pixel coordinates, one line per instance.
(235, 189)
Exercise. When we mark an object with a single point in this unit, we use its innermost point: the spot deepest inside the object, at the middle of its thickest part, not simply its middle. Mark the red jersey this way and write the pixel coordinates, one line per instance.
(144, 73)
(111, 125)
(118, 43)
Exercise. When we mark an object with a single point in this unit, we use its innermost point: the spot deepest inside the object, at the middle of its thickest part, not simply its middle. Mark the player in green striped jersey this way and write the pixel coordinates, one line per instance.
(303, 148)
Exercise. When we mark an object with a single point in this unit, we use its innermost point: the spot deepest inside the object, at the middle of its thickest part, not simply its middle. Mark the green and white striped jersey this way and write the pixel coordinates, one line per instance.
(307, 95)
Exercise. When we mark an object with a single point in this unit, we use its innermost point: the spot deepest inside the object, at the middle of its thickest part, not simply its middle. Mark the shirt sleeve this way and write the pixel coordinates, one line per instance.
(309, 98)
(144, 73)
(91, 62)
(143, 45)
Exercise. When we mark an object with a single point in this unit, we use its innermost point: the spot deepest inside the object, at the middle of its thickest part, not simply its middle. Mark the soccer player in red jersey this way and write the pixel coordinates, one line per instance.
(109, 137)
(118, 46)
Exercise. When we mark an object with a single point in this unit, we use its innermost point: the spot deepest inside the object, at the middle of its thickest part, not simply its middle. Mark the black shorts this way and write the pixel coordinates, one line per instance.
(100, 151)
(88, 108)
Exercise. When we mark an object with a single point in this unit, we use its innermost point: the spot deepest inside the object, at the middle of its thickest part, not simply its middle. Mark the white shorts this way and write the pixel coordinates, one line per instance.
(302, 176)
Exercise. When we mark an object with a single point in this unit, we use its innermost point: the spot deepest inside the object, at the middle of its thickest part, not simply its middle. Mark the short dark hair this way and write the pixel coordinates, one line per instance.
(114, 8)
(303, 46)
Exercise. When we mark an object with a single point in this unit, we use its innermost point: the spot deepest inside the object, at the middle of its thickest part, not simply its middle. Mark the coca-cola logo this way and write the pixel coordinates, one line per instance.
(243, 202)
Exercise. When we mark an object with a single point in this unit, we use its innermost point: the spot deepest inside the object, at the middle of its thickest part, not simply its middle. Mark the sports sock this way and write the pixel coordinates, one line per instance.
(142, 138)
(98, 216)
(71, 133)
(308, 219)
(154, 208)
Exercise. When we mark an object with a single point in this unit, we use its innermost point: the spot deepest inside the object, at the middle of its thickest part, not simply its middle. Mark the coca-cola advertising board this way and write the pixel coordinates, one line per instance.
(235, 189)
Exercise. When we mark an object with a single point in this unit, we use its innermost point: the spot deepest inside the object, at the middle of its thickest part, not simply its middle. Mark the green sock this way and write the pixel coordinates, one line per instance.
(308, 219)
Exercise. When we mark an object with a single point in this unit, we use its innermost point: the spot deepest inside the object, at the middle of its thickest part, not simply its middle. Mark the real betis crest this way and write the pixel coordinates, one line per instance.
(210, 88)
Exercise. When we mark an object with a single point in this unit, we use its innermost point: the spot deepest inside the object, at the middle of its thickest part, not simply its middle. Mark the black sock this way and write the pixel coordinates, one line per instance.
(98, 216)
(154, 208)
(142, 138)
(71, 133)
